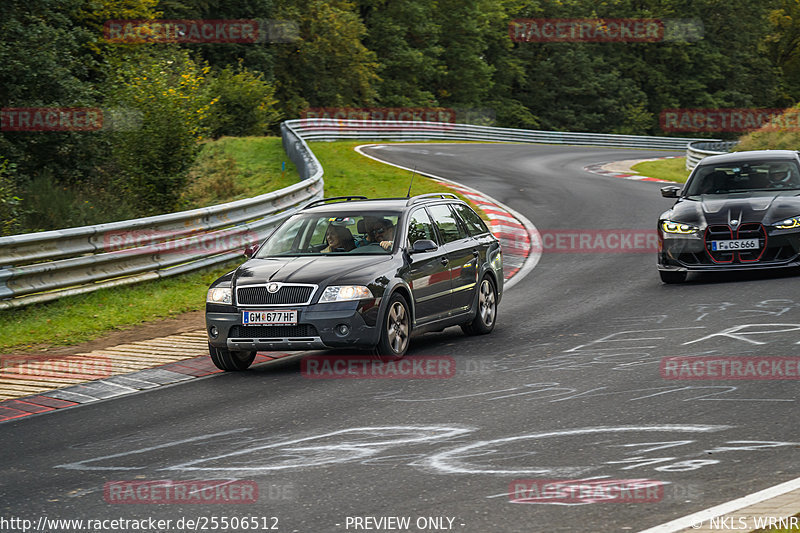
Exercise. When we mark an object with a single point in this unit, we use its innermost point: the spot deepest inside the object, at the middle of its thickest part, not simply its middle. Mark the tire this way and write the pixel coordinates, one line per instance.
(231, 361)
(486, 314)
(672, 276)
(395, 329)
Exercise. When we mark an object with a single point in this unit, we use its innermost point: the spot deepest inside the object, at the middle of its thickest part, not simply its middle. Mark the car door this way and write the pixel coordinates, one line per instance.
(428, 274)
(462, 256)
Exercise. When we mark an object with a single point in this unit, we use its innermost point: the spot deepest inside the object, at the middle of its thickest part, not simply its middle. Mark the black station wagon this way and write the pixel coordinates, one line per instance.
(352, 272)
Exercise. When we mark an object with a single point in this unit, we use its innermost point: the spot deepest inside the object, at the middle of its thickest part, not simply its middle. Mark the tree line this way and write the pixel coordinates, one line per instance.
(161, 100)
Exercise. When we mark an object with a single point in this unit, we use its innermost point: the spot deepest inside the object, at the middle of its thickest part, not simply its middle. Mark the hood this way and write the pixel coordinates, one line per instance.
(765, 207)
(318, 270)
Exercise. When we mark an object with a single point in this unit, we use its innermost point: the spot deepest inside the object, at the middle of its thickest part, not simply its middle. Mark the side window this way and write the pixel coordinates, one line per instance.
(449, 228)
(420, 227)
(320, 230)
(474, 224)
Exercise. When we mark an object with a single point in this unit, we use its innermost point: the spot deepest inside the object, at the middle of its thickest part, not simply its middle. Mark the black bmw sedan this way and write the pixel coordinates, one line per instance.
(351, 272)
(737, 211)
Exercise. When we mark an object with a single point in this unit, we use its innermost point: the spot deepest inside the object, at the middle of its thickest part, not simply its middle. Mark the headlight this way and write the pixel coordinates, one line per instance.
(669, 226)
(343, 293)
(220, 295)
(789, 223)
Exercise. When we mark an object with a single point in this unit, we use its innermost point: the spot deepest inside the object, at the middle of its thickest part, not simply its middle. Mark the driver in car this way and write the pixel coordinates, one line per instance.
(339, 239)
(384, 233)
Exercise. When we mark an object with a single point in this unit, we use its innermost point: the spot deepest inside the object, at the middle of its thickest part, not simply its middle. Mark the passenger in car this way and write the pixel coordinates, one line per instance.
(339, 239)
(384, 233)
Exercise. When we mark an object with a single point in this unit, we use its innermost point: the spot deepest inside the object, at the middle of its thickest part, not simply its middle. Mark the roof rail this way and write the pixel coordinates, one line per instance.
(422, 197)
(334, 198)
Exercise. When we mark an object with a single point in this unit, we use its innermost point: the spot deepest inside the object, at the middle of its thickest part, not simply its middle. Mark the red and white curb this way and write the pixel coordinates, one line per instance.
(604, 170)
(120, 384)
(517, 234)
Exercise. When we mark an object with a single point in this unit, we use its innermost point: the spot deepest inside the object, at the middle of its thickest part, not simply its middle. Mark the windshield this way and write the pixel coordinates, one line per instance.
(745, 176)
(345, 233)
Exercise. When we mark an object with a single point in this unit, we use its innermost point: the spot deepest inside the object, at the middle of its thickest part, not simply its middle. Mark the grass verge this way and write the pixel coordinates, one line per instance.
(232, 168)
(84, 317)
(664, 169)
(348, 172)
(254, 165)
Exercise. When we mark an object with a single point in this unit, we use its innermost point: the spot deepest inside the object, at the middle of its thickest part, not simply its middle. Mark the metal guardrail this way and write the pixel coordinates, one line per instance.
(697, 150)
(38, 267)
(320, 129)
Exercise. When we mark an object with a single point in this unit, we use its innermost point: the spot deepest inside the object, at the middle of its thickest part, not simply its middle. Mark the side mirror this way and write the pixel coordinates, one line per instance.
(670, 191)
(250, 250)
(423, 245)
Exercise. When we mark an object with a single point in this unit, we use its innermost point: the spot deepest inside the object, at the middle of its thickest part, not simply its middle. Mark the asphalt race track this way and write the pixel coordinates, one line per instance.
(567, 387)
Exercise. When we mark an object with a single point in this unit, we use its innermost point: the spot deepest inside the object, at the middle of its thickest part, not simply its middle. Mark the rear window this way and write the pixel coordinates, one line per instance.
(471, 220)
(450, 229)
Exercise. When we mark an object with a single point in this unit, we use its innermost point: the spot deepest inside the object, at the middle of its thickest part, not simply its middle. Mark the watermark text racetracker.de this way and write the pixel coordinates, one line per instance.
(722, 367)
(80, 367)
(201, 491)
(583, 491)
(242, 31)
(604, 30)
(595, 241)
(51, 119)
(176, 241)
(72, 118)
(378, 116)
(373, 367)
(148, 524)
(728, 120)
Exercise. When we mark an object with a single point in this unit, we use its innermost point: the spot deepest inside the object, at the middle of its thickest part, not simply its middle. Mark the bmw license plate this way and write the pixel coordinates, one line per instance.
(270, 318)
(740, 244)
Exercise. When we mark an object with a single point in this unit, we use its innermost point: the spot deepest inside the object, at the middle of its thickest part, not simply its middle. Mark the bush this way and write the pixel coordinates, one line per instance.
(212, 179)
(9, 201)
(169, 92)
(772, 136)
(48, 205)
(245, 104)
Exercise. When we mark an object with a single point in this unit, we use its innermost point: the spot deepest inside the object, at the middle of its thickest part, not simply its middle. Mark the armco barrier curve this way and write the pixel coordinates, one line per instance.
(39, 267)
(697, 150)
(335, 129)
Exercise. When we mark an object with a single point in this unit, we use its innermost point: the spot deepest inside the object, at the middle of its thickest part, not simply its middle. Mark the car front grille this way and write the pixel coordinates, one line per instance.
(719, 233)
(272, 332)
(770, 250)
(285, 295)
(752, 231)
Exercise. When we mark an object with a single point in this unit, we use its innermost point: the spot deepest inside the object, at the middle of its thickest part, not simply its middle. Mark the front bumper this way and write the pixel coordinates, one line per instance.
(693, 253)
(317, 328)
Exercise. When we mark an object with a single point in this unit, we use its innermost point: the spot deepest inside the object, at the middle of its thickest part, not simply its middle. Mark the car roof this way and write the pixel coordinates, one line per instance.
(752, 155)
(337, 205)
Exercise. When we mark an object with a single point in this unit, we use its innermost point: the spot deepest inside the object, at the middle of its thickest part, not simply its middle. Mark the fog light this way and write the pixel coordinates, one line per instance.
(213, 332)
(343, 330)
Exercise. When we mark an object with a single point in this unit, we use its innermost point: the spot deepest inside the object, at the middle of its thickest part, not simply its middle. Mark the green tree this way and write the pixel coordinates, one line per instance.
(782, 46)
(405, 38)
(256, 57)
(44, 62)
(168, 94)
(467, 78)
(246, 104)
(328, 65)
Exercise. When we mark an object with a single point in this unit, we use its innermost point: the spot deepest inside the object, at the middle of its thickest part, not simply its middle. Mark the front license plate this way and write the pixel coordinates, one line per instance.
(270, 318)
(740, 244)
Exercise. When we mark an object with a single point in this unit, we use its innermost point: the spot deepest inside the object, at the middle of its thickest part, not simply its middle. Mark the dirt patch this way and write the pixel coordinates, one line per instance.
(191, 321)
